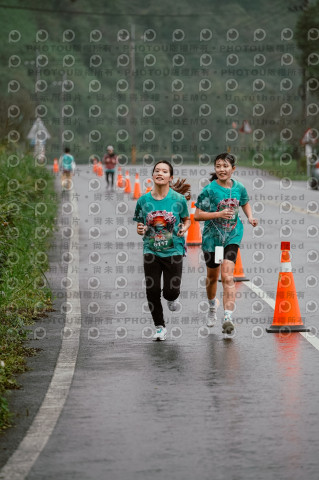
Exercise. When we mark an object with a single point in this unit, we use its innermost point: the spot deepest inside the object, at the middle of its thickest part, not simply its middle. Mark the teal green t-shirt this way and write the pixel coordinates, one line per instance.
(221, 231)
(162, 218)
(67, 161)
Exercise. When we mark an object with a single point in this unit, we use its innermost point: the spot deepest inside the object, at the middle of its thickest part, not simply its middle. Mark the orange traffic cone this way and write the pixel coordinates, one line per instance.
(119, 183)
(194, 236)
(95, 166)
(287, 316)
(99, 169)
(55, 166)
(127, 183)
(149, 185)
(239, 275)
(137, 187)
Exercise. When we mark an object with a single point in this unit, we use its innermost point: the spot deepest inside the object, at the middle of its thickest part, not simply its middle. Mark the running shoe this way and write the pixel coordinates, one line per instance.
(172, 305)
(160, 333)
(228, 325)
(211, 317)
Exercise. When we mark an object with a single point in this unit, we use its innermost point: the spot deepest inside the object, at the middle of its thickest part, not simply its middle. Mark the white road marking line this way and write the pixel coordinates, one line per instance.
(271, 302)
(311, 338)
(21, 461)
(295, 208)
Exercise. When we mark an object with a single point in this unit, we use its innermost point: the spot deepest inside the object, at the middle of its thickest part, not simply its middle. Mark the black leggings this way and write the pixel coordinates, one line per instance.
(154, 266)
(107, 177)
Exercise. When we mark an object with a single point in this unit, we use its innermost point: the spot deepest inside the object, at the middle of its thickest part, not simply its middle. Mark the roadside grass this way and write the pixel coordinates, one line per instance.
(28, 206)
(279, 162)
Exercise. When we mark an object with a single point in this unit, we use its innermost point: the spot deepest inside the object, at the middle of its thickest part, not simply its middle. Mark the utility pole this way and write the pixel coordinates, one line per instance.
(132, 90)
(304, 79)
(61, 110)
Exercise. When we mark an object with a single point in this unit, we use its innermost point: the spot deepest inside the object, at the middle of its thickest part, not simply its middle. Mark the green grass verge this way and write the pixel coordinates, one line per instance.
(28, 207)
(280, 161)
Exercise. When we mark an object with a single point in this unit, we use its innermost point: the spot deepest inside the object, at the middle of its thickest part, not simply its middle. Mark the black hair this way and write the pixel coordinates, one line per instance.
(67, 150)
(228, 157)
(179, 186)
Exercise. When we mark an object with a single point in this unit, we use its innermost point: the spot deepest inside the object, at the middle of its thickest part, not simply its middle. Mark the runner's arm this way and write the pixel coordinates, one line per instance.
(184, 226)
(201, 215)
(247, 211)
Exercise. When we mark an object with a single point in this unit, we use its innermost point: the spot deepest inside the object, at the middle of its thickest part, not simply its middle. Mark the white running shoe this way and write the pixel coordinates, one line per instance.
(160, 333)
(211, 317)
(228, 325)
(172, 305)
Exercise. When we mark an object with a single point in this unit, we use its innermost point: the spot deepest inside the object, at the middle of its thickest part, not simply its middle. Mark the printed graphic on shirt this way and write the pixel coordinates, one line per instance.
(160, 225)
(228, 224)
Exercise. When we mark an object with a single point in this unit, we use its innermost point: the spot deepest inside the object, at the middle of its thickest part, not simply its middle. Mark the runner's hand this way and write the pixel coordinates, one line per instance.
(181, 230)
(141, 228)
(253, 221)
(227, 213)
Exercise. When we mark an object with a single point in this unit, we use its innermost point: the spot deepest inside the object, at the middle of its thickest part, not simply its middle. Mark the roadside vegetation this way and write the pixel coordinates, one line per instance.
(28, 208)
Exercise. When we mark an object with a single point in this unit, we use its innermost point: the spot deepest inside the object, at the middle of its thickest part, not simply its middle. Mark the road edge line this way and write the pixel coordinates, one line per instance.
(312, 339)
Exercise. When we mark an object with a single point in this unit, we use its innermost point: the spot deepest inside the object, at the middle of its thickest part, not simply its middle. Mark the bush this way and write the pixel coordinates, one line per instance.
(28, 208)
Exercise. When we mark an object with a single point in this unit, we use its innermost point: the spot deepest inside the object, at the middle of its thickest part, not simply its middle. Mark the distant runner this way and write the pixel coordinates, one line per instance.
(109, 162)
(67, 166)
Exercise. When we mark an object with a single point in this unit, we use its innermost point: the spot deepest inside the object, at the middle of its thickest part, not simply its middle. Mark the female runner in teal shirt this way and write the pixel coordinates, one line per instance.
(162, 218)
(218, 205)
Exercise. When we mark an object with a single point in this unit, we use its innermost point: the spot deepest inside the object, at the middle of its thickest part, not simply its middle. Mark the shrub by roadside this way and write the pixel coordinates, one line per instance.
(28, 206)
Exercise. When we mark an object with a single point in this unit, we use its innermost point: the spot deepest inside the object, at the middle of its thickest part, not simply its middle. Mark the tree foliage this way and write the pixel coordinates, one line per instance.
(307, 39)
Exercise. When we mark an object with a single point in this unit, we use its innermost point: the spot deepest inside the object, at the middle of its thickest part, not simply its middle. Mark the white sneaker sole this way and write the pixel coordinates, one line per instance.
(211, 322)
(228, 327)
(173, 308)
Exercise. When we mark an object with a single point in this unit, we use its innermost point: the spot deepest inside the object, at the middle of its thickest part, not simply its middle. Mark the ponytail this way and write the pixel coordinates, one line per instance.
(181, 187)
(213, 176)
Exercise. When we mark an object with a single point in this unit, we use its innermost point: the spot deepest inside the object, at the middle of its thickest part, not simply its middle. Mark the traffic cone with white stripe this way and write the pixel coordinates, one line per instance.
(287, 317)
(120, 183)
(127, 188)
(194, 235)
(137, 187)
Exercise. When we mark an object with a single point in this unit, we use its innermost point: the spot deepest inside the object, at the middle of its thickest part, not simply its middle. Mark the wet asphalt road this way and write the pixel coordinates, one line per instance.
(198, 405)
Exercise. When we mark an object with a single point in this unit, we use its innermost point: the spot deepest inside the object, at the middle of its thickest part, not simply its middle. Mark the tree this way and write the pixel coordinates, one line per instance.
(307, 39)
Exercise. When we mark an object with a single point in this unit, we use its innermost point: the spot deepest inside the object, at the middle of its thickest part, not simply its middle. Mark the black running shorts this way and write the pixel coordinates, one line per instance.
(230, 253)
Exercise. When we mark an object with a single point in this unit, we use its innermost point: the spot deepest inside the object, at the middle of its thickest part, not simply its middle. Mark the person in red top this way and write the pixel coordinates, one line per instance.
(109, 162)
